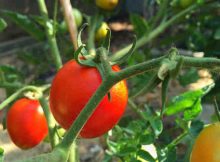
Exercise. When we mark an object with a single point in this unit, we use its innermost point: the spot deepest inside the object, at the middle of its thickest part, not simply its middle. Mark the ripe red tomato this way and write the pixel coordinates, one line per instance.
(26, 123)
(71, 89)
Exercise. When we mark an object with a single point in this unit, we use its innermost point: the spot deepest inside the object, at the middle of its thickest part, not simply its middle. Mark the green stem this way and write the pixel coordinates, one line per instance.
(73, 156)
(91, 45)
(151, 84)
(17, 94)
(177, 140)
(207, 63)
(140, 68)
(161, 12)
(50, 122)
(50, 34)
(133, 106)
(153, 34)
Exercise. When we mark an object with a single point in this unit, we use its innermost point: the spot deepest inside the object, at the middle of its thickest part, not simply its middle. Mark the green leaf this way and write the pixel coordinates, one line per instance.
(167, 154)
(3, 24)
(146, 139)
(189, 77)
(127, 150)
(154, 120)
(25, 23)
(193, 111)
(140, 25)
(186, 100)
(1, 154)
(157, 125)
(145, 155)
(217, 34)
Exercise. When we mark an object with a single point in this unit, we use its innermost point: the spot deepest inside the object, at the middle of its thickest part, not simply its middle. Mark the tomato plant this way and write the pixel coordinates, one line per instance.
(88, 95)
(72, 87)
(107, 4)
(207, 144)
(26, 123)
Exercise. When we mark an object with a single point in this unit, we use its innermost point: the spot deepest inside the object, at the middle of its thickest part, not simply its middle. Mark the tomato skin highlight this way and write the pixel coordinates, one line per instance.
(207, 145)
(72, 88)
(26, 123)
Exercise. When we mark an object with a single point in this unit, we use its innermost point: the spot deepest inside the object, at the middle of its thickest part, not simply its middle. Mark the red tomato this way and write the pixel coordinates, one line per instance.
(71, 89)
(26, 123)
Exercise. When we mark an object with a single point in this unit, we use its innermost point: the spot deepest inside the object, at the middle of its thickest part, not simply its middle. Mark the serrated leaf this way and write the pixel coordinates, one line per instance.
(186, 100)
(140, 25)
(3, 24)
(25, 23)
(193, 111)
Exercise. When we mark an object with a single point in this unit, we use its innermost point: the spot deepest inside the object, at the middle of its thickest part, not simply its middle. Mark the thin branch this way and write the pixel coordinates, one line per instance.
(70, 20)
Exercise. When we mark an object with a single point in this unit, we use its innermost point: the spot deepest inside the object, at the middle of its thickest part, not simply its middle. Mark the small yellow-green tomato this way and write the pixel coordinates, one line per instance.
(78, 20)
(107, 4)
(101, 32)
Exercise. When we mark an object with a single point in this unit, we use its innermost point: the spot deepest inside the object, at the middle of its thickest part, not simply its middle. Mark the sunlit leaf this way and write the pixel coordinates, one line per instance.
(186, 100)
(193, 111)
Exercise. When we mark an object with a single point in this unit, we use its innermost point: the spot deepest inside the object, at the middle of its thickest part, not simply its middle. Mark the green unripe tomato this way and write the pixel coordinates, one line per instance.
(186, 3)
(101, 32)
(78, 20)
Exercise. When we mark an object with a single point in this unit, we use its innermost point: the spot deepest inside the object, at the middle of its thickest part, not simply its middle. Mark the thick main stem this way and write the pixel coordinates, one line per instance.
(50, 34)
